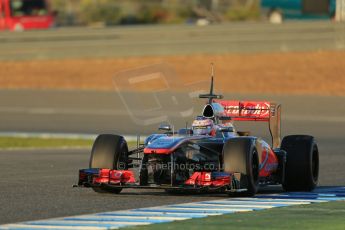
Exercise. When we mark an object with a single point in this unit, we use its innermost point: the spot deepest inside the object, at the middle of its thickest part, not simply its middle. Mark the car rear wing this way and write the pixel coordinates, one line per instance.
(256, 111)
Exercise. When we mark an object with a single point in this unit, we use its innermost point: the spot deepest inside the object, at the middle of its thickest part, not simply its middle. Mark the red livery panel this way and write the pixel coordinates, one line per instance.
(114, 176)
(157, 151)
(209, 179)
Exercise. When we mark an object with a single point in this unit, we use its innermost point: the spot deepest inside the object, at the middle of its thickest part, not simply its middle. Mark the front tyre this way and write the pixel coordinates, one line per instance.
(302, 163)
(109, 152)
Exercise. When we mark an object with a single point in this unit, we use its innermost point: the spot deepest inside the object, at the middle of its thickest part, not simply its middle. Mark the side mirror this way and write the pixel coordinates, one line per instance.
(165, 127)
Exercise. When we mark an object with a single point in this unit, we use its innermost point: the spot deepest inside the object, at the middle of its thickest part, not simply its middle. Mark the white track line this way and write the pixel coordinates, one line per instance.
(88, 217)
(225, 206)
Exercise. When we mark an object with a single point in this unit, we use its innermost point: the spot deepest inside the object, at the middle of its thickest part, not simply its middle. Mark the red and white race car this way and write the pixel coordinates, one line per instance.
(209, 156)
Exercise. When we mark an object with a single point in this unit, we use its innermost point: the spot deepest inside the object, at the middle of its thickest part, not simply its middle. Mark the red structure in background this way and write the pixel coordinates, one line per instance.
(19, 15)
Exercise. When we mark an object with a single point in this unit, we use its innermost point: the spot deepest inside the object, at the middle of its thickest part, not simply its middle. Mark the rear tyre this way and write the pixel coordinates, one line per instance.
(302, 163)
(240, 156)
(109, 152)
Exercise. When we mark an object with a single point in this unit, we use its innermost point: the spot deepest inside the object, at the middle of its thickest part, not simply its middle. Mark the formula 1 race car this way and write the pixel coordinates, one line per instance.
(209, 156)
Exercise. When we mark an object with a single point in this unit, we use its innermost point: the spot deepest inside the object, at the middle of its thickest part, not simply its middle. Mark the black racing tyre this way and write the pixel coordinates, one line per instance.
(109, 152)
(302, 163)
(240, 156)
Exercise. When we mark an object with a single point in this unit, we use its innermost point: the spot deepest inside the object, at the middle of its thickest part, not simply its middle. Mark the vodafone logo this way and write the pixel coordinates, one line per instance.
(236, 108)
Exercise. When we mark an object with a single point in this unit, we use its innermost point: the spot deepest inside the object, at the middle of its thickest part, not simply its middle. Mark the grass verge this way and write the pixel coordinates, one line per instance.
(35, 142)
(39, 142)
(313, 216)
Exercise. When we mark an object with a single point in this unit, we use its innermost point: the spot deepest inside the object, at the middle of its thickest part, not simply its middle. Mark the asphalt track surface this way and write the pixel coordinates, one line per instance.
(37, 184)
(172, 40)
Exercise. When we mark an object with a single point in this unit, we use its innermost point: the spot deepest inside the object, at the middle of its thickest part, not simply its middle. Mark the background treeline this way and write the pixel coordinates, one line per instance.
(115, 12)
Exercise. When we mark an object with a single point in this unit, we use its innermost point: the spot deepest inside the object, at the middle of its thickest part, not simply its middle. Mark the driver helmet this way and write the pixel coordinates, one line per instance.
(202, 126)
